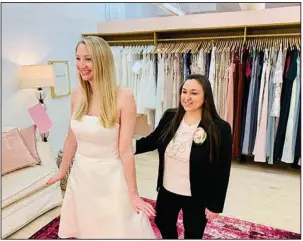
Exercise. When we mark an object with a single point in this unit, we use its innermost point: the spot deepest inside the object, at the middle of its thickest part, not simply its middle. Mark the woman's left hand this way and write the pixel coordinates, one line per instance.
(210, 215)
(139, 205)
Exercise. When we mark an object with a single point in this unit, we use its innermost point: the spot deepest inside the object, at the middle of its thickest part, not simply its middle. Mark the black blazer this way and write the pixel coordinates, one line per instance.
(208, 181)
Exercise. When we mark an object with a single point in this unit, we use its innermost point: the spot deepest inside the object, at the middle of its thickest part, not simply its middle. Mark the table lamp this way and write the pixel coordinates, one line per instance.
(37, 77)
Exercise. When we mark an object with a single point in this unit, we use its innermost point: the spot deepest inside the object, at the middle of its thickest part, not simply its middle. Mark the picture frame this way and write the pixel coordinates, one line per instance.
(62, 78)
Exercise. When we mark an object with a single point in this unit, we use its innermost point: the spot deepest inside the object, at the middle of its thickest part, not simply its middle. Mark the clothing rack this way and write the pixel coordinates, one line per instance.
(255, 35)
(220, 33)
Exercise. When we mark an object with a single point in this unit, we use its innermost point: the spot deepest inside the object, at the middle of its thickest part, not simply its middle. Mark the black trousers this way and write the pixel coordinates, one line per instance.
(168, 206)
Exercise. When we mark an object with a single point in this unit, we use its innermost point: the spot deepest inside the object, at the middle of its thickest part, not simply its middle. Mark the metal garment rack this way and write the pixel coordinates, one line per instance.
(213, 34)
(220, 33)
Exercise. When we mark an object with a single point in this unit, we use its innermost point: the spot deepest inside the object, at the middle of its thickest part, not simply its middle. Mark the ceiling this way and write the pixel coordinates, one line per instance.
(196, 8)
(127, 11)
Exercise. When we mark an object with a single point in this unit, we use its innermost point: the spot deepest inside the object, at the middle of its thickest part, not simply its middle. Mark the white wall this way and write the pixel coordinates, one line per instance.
(33, 33)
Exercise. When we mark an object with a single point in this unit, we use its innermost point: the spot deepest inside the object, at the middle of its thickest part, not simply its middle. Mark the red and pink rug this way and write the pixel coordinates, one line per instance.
(220, 228)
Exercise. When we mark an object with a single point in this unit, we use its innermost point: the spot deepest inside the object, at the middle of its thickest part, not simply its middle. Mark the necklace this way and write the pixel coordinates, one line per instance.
(191, 124)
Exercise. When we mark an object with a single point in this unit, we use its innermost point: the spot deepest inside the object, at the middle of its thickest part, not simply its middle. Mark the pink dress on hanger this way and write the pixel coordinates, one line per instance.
(229, 111)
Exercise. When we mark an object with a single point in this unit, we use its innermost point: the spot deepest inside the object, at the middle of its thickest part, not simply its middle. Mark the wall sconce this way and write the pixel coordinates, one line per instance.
(37, 77)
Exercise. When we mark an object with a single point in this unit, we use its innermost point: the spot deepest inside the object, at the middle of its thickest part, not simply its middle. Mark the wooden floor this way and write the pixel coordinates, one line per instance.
(258, 193)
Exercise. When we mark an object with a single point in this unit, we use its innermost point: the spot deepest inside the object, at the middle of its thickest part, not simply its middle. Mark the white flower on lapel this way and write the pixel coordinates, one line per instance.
(199, 136)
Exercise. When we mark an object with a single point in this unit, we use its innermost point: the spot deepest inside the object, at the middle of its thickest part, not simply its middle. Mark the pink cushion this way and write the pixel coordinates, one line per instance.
(15, 153)
(29, 136)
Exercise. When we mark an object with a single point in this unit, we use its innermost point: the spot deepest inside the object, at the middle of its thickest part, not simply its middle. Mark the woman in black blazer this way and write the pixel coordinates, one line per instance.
(195, 148)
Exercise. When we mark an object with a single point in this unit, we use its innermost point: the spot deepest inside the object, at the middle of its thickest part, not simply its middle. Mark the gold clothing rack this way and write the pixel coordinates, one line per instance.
(221, 33)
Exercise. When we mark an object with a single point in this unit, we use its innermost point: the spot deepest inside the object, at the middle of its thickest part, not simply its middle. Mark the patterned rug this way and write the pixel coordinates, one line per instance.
(220, 228)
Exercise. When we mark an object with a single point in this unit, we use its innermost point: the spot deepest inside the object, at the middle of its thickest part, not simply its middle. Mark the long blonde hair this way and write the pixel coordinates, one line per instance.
(104, 80)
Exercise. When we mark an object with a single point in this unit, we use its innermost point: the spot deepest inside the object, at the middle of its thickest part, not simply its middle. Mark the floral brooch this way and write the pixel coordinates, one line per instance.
(199, 136)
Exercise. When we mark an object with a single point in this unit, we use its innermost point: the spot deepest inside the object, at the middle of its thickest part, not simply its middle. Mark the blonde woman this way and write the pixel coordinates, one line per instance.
(101, 200)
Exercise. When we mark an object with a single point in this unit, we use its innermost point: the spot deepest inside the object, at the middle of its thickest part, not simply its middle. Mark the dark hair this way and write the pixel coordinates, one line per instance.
(209, 114)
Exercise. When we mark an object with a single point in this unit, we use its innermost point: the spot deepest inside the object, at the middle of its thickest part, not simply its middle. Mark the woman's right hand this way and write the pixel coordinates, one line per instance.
(57, 177)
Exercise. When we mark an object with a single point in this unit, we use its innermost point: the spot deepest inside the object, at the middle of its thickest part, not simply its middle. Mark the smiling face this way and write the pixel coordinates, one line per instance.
(192, 95)
(84, 62)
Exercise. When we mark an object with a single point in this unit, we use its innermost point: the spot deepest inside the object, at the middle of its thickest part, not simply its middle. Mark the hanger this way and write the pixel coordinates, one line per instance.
(197, 47)
(224, 44)
(278, 44)
(285, 42)
(194, 46)
(165, 45)
(143, 49)
(169, 45)
(213, 44)
(257, 43)
(210, 45)
(297, 43)
(206, 46)
(148, 49)
(185, 48)
(271, 42)
(152, 48)
(206, 43)
(160, 48)
(130, 49)
(173, 46)
(229, 45)
(179, 47)
(137, 49)
(140, 49)
(263, 44)
(218, 45)
(232, 44)
(260, 44)
(290, 40)
(293, 42)
(249, 45)
(202, 47)
(123, 49)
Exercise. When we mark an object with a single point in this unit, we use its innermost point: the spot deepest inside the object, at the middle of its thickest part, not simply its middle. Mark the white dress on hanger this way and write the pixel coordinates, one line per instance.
(160, 90)
(278, 81)
(212, 69)
(288, 155)
(260, 143)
